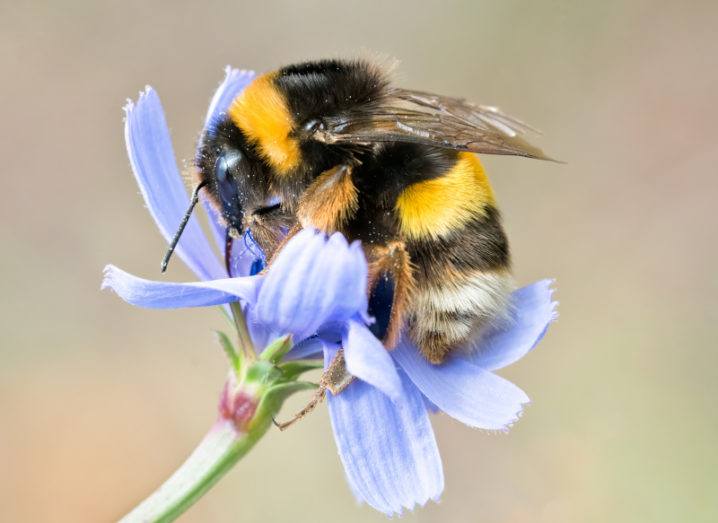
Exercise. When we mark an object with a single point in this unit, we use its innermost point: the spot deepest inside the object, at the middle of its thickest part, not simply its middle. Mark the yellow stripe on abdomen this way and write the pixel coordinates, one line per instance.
(434, 208)
(262, 113)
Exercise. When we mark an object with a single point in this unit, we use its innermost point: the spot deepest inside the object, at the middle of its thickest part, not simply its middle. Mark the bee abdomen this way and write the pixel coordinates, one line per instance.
(443, 317)
(463, 284)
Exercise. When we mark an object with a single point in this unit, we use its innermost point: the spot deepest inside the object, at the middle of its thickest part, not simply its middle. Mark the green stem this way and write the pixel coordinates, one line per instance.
(220, 449)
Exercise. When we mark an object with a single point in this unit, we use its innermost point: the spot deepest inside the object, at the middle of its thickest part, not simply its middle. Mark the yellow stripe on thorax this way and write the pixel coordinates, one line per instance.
(434, 208)
(262, 113)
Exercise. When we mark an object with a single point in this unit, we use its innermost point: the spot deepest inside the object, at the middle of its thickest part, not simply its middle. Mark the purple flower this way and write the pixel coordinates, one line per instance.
(316, 291)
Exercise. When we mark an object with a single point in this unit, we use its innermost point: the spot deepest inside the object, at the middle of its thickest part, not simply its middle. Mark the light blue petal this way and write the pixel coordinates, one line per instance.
(367, 359)
(166, 295)
(387, 448)
(532, 311)
(260, 333)
(462, 389)
(310, 348)
(219, 235)
(235, 80)
(313, 281)
(433, 409)
(153, 163)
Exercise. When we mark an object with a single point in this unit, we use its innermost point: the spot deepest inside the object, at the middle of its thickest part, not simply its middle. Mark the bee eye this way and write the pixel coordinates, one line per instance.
(314, 125)
(227, 163)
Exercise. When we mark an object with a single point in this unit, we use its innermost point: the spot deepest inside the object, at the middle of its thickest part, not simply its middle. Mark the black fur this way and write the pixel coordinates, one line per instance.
(326, 88)
(330, 87)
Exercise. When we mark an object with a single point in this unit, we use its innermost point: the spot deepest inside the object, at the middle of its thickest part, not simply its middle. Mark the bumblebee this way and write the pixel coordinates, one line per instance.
(335, 146)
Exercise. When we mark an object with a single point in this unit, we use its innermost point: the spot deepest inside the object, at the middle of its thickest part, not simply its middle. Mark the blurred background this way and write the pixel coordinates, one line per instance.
(101, 401)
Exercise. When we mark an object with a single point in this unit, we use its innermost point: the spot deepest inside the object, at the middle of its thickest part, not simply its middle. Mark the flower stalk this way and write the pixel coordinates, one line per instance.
(219, 451)
(252, 396)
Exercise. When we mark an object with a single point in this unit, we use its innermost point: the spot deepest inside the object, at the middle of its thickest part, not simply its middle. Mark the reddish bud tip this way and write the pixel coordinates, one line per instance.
(237, 406)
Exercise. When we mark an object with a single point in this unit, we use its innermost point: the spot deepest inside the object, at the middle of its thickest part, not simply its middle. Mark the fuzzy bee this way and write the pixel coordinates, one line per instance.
(334, 146)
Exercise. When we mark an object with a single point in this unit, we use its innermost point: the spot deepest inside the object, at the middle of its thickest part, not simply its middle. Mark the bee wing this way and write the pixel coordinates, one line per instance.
(425, 118)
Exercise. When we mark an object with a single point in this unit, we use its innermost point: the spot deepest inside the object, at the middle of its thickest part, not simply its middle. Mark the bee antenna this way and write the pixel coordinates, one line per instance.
(182, 225)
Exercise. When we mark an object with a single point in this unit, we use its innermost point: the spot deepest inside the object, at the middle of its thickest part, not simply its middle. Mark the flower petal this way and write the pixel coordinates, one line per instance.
(235, 80)
(433, 409)
(166, 295)
(153, 163)
(387, 448)
(310, 348)
(368, 360)
(532, 311)
(462, 389)
(313, 281)
(260, 333)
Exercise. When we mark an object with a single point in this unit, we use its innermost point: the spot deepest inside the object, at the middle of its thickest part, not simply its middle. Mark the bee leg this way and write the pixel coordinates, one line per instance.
(327, 204)
(391, 283)
(309, 407)
(335, 379)
(330, 201)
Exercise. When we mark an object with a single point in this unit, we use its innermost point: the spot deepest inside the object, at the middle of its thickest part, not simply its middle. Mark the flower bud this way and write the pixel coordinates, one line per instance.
(237, 404)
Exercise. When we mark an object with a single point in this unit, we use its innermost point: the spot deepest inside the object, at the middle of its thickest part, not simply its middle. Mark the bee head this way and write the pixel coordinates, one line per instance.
(255, 161)
(235, 177)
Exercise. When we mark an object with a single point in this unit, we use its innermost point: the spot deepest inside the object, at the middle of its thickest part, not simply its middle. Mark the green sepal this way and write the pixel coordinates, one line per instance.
(291, 370)
(262, 374)
(276, 350)
(235, 358)
(273, 399)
